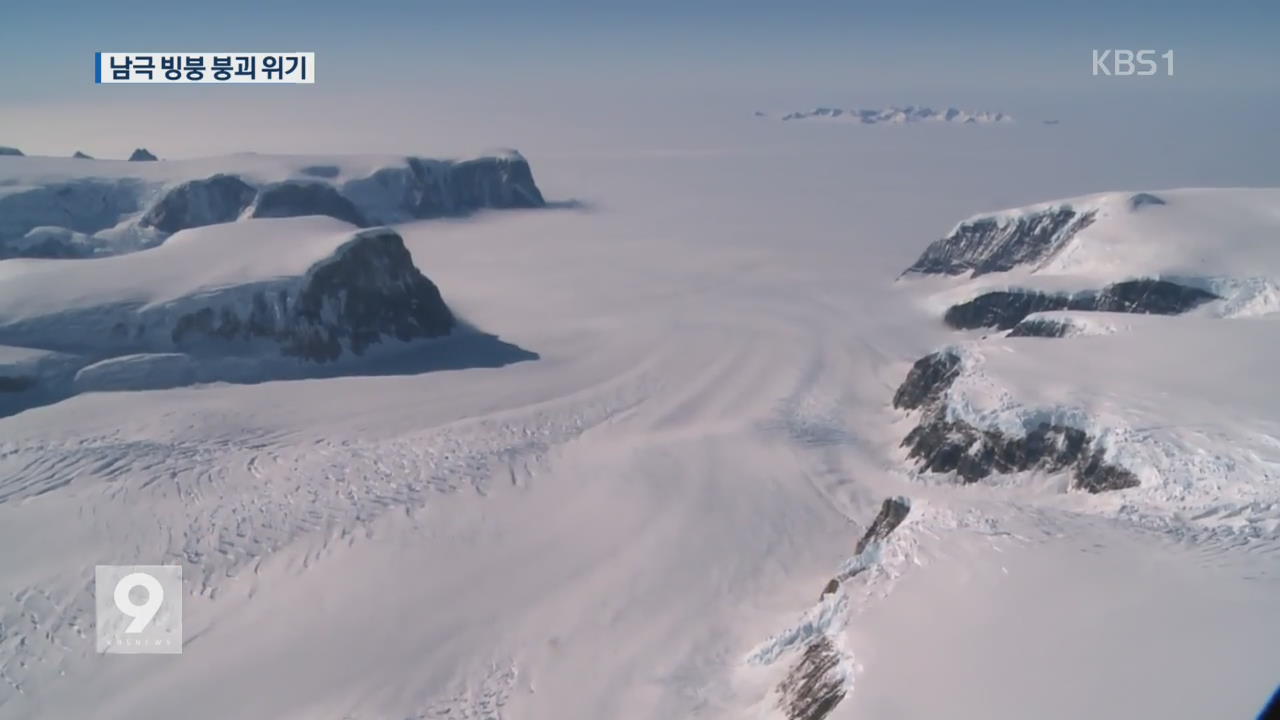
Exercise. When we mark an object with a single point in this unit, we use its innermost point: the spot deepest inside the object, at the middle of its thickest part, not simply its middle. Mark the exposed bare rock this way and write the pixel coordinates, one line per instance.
(892, 512)
(1000, 243)
(949, 446)
(1141, 200)
(142, 155)
(1006, 308)
(819, 681)
(367, 290)
(929, 377)
(217, 199)
(815, 685)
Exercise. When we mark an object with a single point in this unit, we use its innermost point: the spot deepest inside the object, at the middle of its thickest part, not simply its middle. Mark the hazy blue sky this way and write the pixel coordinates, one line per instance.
(506, 64)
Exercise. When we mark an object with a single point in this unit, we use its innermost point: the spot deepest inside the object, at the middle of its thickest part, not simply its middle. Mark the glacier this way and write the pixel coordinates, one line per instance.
(645, 518)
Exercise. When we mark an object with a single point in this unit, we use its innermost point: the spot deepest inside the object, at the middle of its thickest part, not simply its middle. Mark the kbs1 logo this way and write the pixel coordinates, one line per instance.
(1128, 63)
(139, 608)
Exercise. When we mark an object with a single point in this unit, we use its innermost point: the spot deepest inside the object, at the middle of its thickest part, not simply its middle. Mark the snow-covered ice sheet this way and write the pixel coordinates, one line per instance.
(610, 531)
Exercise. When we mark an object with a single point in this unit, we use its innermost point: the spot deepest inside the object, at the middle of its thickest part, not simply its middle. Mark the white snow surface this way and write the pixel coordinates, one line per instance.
(628, 526)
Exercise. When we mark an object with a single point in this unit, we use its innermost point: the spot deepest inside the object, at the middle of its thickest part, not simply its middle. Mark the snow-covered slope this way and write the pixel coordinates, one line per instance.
(1125, 397)
(678, 509)
(898, 115)
(110, 206)
(233, 301)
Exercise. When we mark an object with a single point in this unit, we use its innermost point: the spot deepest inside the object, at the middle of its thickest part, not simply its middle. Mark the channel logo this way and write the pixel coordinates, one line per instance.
(139, 608)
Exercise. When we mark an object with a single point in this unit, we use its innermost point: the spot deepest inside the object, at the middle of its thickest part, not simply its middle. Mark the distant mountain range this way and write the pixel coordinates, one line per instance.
(896, 115)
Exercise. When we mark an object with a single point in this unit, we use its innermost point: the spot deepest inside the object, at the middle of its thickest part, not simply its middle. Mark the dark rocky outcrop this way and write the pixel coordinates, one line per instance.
(892, 512)
(81, 156)
(295, 198)
(1005, 309)
(948, 446)
(817, 683)
(367, 290)
(997, 244)
(942, 445)
(6, 150)
(142, 155)
(494, 182)
(1141, 200)
(423, 188)
(929, 377)
(216, 199)
(813, 688)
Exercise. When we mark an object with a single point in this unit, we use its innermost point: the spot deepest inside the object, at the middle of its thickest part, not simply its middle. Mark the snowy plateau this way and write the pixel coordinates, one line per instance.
(732, 434)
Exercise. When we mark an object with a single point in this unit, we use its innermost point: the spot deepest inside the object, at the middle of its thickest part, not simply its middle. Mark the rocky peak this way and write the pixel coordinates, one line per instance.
(217, 199)
(996, 244)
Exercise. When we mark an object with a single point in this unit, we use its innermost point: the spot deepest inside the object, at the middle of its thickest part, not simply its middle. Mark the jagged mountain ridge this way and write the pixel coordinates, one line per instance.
(894, 115)
(1080, 268)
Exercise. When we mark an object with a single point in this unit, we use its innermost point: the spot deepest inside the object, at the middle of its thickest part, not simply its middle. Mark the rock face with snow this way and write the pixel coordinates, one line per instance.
(1141, 200)
(179, 195)
(81, 205)
(1090, 266)
(217, 199)
(497, 182)
(308, 289)
(422, 188)
(996, 244)
(942, 443)
(898, 115)
(367, 290)
(142, 155)
(819, 680)
(296, 198)
(1006, 308)
(815, 685)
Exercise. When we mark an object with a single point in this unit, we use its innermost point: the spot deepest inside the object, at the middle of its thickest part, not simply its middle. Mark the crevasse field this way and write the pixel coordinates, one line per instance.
(619, 488)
